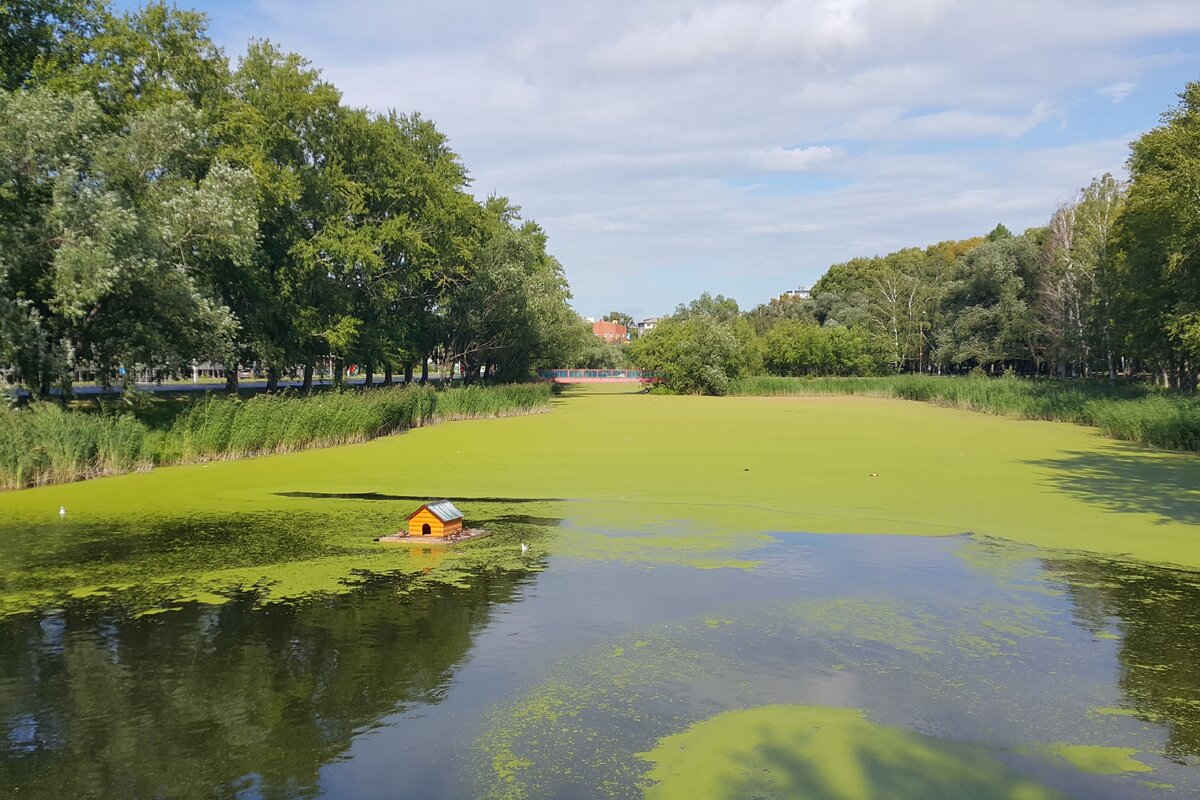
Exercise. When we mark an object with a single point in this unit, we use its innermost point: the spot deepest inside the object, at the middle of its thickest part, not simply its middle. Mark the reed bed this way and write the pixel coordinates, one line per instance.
(46, 444)
(1134, 413)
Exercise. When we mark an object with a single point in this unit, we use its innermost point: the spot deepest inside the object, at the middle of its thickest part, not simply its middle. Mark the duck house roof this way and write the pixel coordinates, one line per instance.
(442, 509)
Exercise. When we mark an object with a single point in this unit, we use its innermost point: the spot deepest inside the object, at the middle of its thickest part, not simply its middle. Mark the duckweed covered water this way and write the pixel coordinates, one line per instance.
(234, 630)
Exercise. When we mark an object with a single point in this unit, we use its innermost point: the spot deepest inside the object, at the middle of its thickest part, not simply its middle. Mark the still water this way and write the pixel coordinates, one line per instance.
(556, 679)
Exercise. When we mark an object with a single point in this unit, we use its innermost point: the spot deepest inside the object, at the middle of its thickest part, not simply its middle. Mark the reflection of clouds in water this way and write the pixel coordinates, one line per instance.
(920, 641)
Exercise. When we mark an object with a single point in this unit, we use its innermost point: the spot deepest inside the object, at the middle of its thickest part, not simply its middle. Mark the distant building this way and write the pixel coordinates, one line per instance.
(610, 332)
(647, 325)
(803, 293)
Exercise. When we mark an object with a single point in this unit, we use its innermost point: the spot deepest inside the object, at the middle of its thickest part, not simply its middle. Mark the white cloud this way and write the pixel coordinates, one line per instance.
(1117, 92)
(651, 137)
(793, 159)
(947, 124)
(806, 29)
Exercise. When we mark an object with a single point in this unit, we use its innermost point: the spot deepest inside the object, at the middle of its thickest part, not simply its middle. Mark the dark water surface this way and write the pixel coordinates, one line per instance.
(550, 683)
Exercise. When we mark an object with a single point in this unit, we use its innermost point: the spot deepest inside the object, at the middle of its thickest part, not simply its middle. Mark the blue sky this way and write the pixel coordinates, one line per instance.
(740, 148)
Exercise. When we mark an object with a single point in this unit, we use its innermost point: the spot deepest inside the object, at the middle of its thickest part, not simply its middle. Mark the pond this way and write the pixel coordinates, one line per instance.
(615, 664)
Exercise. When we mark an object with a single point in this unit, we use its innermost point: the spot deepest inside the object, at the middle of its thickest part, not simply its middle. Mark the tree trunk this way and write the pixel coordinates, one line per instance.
(231, 378)
(424, 370)
(408, 373)
(369, 377)
(272, 378)
(307, 385)
(387, 374)
(339, 371)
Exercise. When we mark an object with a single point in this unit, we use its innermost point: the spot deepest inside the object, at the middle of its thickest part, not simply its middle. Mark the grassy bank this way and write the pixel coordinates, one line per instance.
(45, 444)
(1129, 413)
(652, 480)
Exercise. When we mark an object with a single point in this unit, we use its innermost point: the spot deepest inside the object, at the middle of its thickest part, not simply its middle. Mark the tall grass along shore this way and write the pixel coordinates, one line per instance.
(1133, 413)
(47, 444)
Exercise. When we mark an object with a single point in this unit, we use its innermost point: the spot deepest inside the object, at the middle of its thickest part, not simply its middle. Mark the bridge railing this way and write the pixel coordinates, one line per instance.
(584, 375)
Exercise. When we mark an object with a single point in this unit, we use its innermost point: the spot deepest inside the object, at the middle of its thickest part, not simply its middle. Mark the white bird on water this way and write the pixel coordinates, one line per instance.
(62, 511)
(524, 547)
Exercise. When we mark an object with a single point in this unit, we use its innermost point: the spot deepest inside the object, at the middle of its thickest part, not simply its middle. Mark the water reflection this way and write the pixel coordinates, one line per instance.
(553, 687)
(227, 700)
(1156, 613)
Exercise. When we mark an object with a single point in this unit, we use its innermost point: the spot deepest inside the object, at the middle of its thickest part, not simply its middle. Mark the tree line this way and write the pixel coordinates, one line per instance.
(1109, 286)
(160, 205)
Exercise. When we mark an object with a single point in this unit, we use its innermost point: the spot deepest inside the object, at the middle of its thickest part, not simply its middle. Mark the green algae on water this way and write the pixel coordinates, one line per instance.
(135, 566)
(818, 753)
(729, 465)
(1097, 759)
(863, 620)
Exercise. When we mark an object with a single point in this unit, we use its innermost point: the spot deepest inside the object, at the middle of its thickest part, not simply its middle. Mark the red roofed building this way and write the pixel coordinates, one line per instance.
(610, 331)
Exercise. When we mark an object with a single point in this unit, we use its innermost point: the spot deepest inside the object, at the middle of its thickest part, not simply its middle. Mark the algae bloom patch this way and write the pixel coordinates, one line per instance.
(818, 753)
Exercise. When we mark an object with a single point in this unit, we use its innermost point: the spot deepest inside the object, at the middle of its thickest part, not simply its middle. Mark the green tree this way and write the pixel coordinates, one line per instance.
(1159, 281)
(33, 31)
(692, 354)
(106, 237)
(720, 308)
(278, 122)
(787, 306)
(989, 322)
(800, 348)
(619, 318)
(510, 314)
(1074, 285)
(136, 60)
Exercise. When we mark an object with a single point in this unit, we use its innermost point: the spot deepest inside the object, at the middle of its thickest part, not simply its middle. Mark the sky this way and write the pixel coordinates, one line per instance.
(740, 148)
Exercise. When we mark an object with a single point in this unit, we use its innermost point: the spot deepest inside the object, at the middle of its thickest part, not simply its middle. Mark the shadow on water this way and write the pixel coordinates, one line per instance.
(215, 540)
(877, 762)
(220, 701)
(1132, 480)
(132, 566)
(1157, 613)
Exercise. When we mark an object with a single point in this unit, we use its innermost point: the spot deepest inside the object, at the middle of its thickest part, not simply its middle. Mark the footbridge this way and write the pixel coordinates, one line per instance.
(597, 375)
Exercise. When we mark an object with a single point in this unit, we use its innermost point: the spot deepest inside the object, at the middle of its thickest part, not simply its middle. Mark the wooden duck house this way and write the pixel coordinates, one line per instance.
(439, 519)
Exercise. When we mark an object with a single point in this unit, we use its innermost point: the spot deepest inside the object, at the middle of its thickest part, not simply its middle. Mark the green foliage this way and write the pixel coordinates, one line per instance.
(510, 314)
(105, 236)
(1135, 413)
(720, 308)
(158, 208)
(692, 355)
(1170, 422)
(33, 30)
(621, 318)
(988, 304)
(45, 444)
(797, 348)
(595, 353)
(1159, 291)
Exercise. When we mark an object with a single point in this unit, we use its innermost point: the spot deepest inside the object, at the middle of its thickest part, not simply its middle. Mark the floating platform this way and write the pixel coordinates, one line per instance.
(402, 537)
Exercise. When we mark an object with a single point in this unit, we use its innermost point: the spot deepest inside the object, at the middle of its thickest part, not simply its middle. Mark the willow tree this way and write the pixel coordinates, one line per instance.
(106, 236)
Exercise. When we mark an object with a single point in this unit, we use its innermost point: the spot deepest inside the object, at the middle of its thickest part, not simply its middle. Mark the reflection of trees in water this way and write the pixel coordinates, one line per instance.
(212, 701)
(1158, 613)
